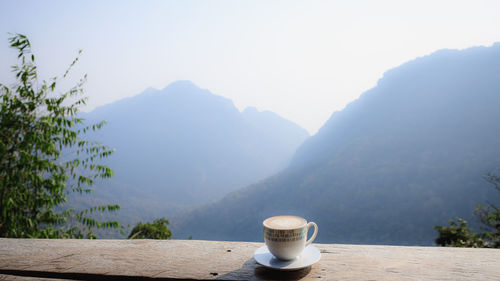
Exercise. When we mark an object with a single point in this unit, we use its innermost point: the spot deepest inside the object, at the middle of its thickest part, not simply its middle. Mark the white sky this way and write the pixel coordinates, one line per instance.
(300, 59)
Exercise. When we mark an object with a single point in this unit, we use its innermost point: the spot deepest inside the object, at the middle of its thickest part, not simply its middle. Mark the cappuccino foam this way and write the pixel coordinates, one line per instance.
(284, 222)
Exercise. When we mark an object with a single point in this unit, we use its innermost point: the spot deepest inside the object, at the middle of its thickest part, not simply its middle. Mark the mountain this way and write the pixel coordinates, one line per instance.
(408, 154)
(182, 146)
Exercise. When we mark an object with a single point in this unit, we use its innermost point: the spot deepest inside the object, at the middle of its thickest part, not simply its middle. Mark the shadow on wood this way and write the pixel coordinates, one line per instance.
(253, 271)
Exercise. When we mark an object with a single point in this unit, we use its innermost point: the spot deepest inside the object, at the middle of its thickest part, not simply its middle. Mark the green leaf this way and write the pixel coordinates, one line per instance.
(41, 128)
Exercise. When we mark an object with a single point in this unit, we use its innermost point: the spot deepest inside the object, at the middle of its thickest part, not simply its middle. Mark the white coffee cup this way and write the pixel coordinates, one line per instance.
(286, 236)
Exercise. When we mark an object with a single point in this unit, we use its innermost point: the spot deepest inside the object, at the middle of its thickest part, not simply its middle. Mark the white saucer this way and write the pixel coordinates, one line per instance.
(309, 256)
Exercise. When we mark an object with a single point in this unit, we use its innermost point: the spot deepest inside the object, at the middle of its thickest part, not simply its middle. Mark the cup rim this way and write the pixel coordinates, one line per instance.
(285, 228)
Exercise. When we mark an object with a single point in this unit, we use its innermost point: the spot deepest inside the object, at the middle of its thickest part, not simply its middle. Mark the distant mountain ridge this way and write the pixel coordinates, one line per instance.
(407, 155)
(184, 145)
(449, 62)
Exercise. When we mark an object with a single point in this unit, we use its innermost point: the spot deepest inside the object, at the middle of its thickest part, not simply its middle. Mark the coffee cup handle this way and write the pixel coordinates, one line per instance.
(314, 234)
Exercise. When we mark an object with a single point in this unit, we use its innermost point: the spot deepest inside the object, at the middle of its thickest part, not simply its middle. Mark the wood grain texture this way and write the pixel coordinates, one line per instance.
(215, 260)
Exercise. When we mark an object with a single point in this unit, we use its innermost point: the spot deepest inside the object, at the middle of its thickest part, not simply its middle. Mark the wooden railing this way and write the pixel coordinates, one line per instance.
(28, 259)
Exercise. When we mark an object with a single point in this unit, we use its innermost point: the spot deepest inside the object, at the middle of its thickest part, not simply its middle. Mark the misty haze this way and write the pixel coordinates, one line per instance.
(409, 154)
(379, 128)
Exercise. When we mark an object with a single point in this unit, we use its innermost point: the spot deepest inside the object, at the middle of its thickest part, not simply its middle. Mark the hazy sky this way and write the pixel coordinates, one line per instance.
(300, 59)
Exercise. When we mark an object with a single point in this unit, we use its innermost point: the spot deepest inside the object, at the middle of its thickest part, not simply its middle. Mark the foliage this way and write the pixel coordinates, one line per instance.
(459, 235)
(156, 230)
(44, 156)
(489, 215)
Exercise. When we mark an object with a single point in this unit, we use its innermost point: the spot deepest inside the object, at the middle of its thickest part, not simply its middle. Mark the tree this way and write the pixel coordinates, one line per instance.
(460, 235)
(44, 156)
(489, 215)
(157, 230)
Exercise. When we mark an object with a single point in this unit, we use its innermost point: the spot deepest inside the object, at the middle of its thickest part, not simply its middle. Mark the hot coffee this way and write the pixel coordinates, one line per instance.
(285, 236)
(285, 222)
